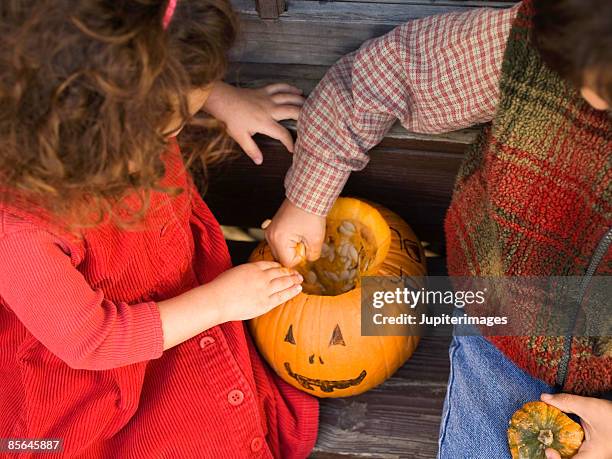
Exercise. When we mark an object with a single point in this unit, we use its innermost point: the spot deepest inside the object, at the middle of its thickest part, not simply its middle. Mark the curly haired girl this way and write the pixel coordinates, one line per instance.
(120, 318)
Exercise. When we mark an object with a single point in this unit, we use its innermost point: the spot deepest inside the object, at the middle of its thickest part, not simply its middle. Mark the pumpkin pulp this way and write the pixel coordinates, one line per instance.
(357, 241)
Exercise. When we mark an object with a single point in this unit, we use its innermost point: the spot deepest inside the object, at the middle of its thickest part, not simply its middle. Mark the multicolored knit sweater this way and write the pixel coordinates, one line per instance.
(534, 198)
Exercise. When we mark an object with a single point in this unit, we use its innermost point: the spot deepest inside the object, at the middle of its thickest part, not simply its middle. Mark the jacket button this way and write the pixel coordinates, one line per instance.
(235, 397)
(256, 444)
(206, 341)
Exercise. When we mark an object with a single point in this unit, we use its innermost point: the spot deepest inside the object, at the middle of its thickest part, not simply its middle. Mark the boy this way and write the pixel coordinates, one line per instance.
(533, 196)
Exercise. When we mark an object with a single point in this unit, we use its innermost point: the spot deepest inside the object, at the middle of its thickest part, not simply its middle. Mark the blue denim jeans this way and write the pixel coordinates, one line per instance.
(484, 389)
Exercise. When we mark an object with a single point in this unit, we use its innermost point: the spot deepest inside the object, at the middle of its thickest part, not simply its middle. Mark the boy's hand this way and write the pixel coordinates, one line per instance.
(247, 112)
(252, 289)
(596, 420)
(291, 226)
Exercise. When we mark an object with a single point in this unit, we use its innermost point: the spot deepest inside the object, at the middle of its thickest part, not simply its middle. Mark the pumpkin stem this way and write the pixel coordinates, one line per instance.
(546, 437)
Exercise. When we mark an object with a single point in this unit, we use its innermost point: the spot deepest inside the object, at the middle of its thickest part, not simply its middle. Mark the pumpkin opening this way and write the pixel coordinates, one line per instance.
(357, 241)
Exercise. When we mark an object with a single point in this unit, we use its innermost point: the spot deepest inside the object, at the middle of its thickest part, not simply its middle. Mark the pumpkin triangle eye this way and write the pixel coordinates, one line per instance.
(289, 336)
(337, 337)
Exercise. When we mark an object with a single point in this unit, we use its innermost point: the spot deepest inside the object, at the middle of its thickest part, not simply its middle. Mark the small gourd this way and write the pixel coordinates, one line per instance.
(537, 426)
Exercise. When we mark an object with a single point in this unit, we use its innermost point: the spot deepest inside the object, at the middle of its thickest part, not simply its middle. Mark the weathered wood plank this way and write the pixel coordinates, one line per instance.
(400, 418)
(248, 74)
(270, 9)
(319, 33)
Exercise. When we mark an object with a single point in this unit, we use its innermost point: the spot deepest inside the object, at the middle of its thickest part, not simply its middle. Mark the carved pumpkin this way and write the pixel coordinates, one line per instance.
(537, 426)
(314, 341)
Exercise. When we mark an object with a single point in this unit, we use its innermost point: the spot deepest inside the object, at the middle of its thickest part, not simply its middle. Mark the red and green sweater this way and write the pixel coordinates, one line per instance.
(534, 198)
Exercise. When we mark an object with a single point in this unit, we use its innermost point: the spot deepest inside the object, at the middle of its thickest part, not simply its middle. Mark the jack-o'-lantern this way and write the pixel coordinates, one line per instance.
(314, 341)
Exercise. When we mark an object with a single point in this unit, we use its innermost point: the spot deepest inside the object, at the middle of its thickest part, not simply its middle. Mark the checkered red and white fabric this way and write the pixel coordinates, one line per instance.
(436, 74)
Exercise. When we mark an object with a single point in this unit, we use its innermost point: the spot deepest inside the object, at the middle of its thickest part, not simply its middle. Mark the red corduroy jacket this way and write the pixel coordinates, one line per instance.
(81, 342)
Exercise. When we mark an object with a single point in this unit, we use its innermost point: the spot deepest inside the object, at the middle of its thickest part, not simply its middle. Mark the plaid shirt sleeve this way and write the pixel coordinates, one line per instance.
(436, 74)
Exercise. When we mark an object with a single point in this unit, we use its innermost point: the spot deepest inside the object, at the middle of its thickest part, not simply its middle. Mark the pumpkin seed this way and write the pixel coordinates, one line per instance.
(266, 223)
(344, 275)
(343, 249)
(347, 228)
(352, 252)
(331, 256)
(325, 249)
(347, 264)
(333, 276)
(311, 277)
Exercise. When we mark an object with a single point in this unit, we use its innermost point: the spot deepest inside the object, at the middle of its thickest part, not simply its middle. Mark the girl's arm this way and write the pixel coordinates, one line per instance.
(39, 282)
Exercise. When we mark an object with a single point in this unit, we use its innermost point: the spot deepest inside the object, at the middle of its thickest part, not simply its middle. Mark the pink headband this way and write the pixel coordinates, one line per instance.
(169, 13)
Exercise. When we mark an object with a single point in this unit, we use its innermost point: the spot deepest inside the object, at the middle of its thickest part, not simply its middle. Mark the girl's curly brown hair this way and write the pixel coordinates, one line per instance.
(87, 88)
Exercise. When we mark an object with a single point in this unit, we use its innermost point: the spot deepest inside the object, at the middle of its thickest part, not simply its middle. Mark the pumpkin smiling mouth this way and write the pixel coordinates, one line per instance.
(325, 385)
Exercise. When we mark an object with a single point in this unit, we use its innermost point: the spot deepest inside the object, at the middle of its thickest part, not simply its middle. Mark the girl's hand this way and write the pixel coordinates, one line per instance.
(596, 419)
(247, 112)
(240, 293)
(252, 289)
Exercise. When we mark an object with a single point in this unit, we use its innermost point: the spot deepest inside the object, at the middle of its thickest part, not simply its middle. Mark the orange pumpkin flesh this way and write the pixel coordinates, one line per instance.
(537, 426)
(314, 341)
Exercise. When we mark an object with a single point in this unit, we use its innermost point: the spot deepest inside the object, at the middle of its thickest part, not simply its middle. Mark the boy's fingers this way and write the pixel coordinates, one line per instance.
(286, 112)
(286, 98)
(314, 251)
(552, 454)
(276, 131)
(293, 255)
(285, 295)
(569, 403)
(287, 256)
(282, 87)
(251, 149)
